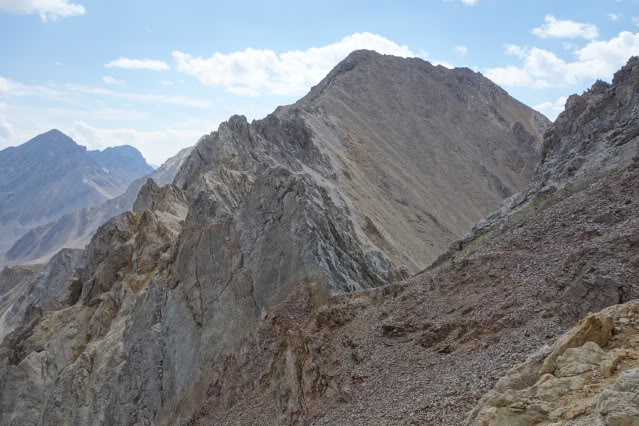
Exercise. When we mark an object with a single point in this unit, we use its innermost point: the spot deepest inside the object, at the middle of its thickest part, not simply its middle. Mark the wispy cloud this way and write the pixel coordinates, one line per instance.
(7, 133)
(555, 28)
(141, 64)
(466, 2)
(110, 80)
(10, 88)
(141, 97)
(461, 50)
(49, 10)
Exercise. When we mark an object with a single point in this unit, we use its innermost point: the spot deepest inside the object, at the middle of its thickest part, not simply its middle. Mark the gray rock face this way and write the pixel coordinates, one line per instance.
(340, 189)
(75, 229)
(51, 175)
(43, 289)
(596, 134)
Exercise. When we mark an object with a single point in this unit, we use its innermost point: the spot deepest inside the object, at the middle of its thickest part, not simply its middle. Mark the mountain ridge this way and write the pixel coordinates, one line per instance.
(50, 175)
(434, 346)
(75, 229)
(339, 193)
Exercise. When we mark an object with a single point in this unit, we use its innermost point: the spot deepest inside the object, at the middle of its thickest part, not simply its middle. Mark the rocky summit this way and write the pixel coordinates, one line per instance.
(277, 279)
(51, 175)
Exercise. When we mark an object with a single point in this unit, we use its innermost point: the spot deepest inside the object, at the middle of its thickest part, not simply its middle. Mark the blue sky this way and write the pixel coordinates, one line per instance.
(159, 74)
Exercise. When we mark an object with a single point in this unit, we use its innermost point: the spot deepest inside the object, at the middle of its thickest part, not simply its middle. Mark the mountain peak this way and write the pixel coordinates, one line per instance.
(124, 158)
(51, 175)
(53, 137)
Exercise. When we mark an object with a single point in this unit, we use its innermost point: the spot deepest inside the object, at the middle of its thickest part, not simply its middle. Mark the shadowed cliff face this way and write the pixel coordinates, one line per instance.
(364, 180)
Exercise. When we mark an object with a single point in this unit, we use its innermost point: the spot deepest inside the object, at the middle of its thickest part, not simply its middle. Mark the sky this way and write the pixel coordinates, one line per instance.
(160, 74)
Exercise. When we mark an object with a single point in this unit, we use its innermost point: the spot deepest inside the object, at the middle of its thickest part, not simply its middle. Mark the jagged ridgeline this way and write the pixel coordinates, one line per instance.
(360, 183)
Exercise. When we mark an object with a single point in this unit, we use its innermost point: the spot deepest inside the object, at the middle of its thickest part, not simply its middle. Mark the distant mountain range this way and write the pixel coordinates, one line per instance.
(75, 229)
(51, 175)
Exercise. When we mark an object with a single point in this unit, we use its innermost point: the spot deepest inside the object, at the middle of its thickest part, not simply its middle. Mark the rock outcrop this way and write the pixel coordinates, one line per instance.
(51, 175)
(589, 377)
(43, 289)
(75, 229)
(364, 180)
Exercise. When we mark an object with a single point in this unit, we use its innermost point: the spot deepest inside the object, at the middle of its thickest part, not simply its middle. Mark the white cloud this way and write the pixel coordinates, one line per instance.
(171, 82)
(49, 10)
(141, 64)
(542, 68)
(155, 145)
(110, 80)
(6, 132)
(614, 16)
(514, 50)
(555, 28)
(142, 97)
(10, 88)
(466, 2)
(243, 91)
(461, 50)
(552, 109)
(252, 72)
